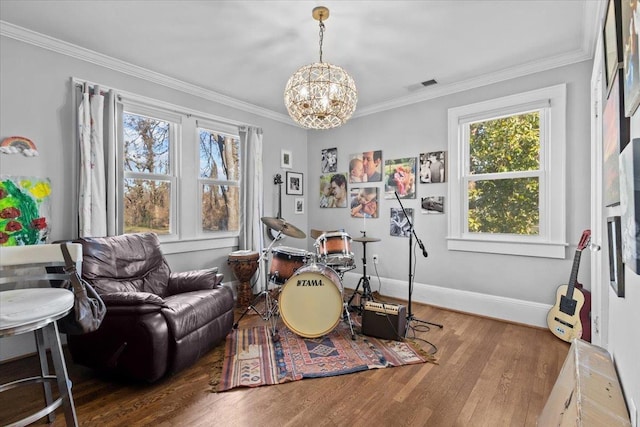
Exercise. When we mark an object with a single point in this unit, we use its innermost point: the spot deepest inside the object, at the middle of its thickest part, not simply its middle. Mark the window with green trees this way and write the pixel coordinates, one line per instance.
(507, 180)
(504, 175)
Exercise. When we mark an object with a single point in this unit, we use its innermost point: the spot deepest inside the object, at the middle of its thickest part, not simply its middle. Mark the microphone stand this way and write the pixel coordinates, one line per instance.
(412, 233)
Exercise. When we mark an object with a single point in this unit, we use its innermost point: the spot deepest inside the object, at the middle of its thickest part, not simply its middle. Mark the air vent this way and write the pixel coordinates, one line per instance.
(429, 82)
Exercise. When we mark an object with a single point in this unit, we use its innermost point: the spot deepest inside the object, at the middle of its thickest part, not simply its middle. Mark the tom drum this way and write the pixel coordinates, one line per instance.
(311, 301)
(284, 262)
(334, 249)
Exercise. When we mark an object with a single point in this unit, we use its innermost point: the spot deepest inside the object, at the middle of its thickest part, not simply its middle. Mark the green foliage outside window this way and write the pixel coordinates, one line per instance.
(505, 202)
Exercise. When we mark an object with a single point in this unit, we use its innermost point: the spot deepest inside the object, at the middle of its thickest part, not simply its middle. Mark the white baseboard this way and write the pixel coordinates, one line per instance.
(510, 309)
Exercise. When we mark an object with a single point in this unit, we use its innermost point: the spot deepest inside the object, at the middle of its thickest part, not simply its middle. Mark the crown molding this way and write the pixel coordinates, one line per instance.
(50, 43)
(592, 17)
(476, 82)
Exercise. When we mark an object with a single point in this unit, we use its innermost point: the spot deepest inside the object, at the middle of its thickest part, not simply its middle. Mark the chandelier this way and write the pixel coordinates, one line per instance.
(320, 95)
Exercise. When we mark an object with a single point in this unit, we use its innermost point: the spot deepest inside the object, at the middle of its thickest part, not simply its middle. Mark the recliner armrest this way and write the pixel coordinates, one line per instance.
(131, 299)
(196, 280)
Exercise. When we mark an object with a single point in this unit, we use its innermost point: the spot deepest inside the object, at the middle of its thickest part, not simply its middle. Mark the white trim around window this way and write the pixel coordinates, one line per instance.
(551, 241)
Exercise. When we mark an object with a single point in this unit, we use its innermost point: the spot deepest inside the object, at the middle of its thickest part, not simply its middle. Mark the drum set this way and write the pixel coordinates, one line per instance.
(308, 293)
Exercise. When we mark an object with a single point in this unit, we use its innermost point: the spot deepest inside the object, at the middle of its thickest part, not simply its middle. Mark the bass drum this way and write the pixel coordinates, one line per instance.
(311, 301)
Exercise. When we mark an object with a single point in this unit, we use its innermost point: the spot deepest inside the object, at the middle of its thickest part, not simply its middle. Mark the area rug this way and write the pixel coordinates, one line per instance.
(252, 359)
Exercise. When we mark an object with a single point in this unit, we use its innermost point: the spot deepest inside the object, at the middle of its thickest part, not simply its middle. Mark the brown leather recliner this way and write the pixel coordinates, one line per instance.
(157, 322)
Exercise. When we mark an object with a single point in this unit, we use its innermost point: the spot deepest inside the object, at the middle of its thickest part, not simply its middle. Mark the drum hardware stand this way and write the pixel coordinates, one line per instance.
(412, 233)
(347, 317)
(364, 280)
(270, 303)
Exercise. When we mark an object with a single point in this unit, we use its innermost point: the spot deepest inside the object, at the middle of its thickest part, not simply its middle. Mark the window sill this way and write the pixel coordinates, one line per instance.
(195, 245)
(532, 249)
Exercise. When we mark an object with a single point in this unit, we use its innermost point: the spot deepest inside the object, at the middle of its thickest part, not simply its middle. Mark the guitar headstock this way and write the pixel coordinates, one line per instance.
(584, 240)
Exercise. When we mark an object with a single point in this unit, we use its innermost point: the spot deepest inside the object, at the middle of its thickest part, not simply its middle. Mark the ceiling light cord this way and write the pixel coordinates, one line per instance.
(321, 36)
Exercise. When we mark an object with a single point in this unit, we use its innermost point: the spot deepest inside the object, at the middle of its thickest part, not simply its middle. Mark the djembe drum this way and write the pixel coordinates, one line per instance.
(244, 264)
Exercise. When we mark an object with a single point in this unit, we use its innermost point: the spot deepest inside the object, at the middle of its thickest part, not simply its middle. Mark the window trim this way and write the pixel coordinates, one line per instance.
(172, 175)
(551, 241)
(224, 130)
(183, 160)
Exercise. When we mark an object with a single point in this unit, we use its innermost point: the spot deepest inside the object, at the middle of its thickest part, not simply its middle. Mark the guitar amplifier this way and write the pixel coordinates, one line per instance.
(384, 320)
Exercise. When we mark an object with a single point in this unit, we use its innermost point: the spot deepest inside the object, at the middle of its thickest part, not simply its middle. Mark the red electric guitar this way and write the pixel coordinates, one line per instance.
(570, 317)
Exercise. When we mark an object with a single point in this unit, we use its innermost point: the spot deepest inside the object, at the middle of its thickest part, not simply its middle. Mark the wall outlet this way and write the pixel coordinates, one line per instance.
(375, 258)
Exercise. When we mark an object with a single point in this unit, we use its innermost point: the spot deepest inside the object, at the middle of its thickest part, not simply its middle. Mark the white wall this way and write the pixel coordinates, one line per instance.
(511, 287)
(624, 320)
(35, 102)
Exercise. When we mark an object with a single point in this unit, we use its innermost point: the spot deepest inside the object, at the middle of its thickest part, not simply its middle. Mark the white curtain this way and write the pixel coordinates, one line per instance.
(252, 200)
(96, 133)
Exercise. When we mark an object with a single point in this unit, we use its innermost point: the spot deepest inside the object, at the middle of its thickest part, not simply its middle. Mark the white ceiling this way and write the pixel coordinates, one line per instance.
(247, 50)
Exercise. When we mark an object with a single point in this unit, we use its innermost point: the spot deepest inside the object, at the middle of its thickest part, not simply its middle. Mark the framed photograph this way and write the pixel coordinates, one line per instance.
(286, 159)
(400, 177)
(294, 183)
(400, 225)
(432, 167)
(616, 267)
(329, 162)
(612, 37)
(629, 201)
(298, 205)
(432, 204)
(364, 202)
(333, 190)
(615, 128)
(630, 57)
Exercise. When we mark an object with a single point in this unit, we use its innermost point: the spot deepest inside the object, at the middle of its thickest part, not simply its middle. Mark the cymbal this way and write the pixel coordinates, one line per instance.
(279, 224)
(365, 239)
(314, 234)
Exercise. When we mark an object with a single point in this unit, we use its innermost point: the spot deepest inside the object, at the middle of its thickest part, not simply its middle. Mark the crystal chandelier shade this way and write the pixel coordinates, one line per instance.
(320, 95)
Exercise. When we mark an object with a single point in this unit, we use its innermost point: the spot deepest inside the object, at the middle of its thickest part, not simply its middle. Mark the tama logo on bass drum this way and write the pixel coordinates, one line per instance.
(307, 282)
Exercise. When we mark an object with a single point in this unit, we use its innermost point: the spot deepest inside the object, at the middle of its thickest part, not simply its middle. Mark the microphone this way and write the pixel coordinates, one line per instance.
(424, 251)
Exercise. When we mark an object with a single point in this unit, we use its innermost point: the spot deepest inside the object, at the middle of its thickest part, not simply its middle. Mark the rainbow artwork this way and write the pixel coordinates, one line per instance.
(25, 205)
(18, 144)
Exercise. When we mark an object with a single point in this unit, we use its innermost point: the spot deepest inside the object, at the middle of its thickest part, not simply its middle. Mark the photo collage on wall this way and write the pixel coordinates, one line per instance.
(335, 188)
(361, 187)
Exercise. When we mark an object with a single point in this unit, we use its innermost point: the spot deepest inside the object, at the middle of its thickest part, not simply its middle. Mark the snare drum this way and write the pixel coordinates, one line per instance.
(334, 249)
(284, 262)
(311, 301)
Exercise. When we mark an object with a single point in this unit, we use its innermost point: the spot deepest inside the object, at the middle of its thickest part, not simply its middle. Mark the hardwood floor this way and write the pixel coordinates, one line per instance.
(490, 373)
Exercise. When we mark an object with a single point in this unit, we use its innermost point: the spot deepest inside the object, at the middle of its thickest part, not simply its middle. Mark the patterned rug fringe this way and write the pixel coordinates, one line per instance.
(422, 352)
(216, 366)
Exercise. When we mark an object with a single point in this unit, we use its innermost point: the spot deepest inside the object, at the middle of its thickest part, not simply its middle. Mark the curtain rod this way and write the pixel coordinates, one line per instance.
(151, 102)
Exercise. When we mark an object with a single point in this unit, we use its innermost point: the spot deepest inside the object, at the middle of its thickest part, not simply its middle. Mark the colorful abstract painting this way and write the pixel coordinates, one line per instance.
(25, 210)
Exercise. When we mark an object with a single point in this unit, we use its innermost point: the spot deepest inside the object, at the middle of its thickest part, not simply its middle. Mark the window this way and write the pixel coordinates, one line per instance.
(507, 175)
(219, 181)
(179, 176)
(149, 185)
